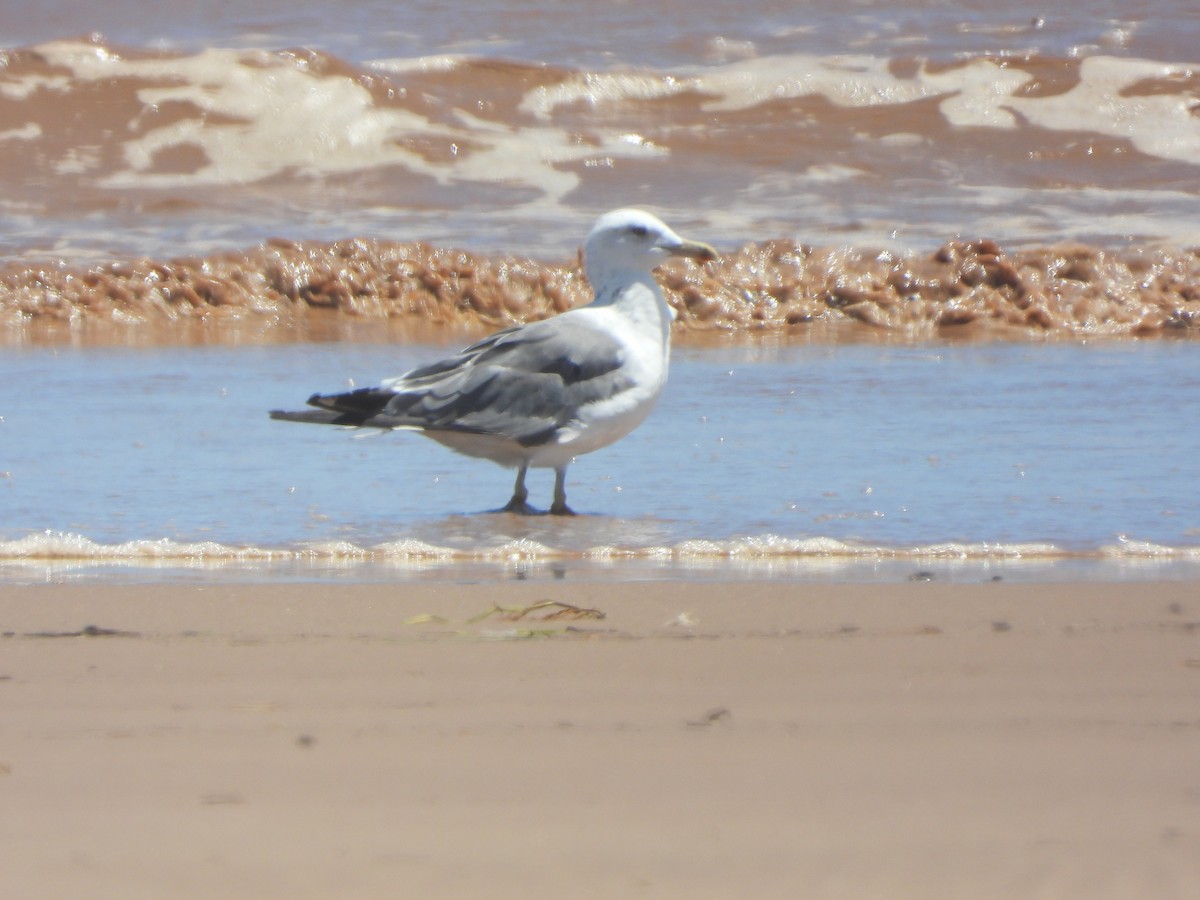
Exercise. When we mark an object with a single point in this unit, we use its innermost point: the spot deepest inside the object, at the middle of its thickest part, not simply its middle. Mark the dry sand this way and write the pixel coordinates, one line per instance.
(701, 740)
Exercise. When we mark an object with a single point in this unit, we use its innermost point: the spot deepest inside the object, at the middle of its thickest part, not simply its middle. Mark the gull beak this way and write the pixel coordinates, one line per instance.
(702, 253)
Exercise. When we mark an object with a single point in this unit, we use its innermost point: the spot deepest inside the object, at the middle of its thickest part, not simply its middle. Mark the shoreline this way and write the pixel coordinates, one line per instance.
(820, 740)
(785, 574)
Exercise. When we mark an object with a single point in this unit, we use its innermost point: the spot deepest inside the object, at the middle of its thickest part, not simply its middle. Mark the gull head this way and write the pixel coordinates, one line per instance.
(633, 240)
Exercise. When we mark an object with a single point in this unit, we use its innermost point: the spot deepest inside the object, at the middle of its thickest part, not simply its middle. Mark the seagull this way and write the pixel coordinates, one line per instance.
(539, 395)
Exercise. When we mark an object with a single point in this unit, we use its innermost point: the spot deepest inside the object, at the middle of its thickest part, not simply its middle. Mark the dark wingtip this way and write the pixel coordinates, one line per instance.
(287, 415)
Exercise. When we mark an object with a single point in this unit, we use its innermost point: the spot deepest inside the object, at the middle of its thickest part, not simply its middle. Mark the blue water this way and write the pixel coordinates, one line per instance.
(1059, 451)
(576, 32)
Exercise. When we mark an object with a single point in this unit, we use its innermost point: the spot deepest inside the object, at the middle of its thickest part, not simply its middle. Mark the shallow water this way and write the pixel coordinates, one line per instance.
(793, 462)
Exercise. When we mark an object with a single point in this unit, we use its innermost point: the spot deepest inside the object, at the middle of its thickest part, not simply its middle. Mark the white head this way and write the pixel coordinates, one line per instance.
(633, 240)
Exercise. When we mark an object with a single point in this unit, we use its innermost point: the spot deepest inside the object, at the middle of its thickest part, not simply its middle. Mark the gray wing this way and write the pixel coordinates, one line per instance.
(523, 383)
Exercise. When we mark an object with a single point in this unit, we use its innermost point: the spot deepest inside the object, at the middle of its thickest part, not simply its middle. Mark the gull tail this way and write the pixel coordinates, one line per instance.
(314, 416)
(364, 407)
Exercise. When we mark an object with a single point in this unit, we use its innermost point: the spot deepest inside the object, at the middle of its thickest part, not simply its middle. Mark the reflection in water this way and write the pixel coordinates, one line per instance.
(792, 462)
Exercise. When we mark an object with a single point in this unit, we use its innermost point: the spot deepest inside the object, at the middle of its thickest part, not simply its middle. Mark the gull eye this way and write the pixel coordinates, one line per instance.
(639, 230)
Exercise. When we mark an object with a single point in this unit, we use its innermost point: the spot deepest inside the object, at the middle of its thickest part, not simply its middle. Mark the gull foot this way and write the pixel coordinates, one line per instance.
(519, 508)
(561, 509)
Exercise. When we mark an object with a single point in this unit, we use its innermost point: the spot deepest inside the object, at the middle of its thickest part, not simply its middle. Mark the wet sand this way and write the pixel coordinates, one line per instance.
(907, 740)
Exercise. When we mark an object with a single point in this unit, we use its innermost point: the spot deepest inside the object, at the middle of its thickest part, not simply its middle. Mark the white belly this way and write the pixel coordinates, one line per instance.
(646, 352)
(600, 425)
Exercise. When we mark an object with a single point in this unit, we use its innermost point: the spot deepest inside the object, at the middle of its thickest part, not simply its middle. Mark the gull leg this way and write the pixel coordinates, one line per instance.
(559, 507)
(520, 494)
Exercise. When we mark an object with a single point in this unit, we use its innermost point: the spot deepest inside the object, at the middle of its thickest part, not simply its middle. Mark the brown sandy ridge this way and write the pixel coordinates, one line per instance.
(292, 291)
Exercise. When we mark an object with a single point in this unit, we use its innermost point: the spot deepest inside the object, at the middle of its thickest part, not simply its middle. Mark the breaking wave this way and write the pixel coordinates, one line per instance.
(54, 547)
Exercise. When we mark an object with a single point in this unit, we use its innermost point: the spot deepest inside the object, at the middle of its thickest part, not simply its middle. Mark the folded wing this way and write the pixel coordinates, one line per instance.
(523, 384)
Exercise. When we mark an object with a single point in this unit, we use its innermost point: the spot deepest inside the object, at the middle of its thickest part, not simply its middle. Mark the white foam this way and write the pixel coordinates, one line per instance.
(398, 551)
(25, 87)
(28, 132)
(594, 89)
(55, 545)
(520, 550)
(333, 550)
(845, 80)
(1146, 550)
(1158, 124)
(978, 93)
(751, 556)
(261, 115)
(401, 66)
(768, 546)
